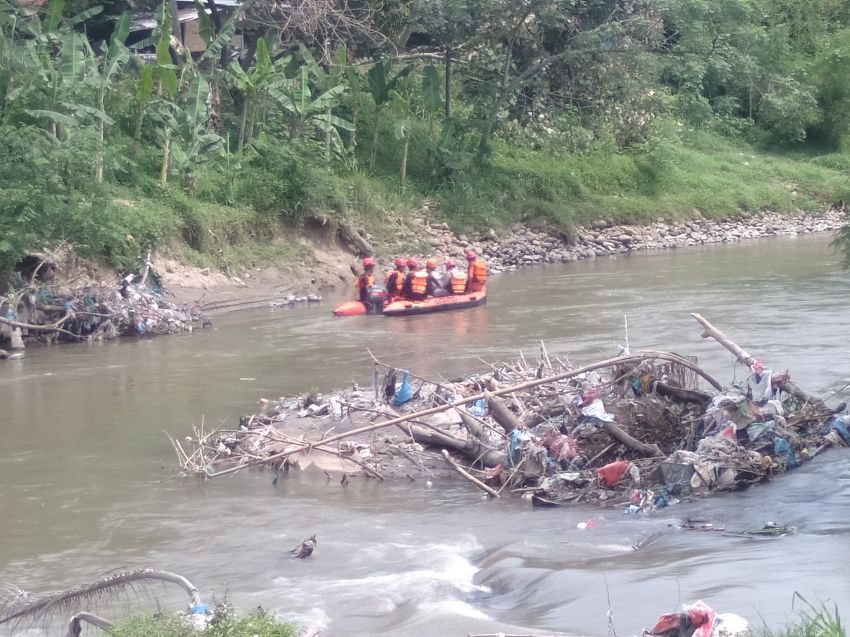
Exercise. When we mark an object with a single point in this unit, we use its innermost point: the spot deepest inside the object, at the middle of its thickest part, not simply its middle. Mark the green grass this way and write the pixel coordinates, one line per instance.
(681, 173)
(812, 621)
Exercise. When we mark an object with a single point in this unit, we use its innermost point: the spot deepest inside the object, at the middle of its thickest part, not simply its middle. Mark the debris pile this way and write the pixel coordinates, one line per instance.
(637, 430)
(91, 310)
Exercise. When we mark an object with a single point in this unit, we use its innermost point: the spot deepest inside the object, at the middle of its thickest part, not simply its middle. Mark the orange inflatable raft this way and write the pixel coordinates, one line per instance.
(410, 308)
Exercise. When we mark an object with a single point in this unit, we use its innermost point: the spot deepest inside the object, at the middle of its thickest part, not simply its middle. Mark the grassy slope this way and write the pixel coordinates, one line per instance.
(682, 174)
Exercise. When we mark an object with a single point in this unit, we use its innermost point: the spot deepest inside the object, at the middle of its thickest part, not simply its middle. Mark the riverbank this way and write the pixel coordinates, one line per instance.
(326, 265)
(189, 292)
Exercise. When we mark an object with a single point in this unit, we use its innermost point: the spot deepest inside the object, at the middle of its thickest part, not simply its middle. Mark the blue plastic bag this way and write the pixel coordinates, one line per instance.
(404, 392)
(477, 408)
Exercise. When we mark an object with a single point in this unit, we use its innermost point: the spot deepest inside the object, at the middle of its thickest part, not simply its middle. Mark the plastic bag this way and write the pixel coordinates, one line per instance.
(404, 391)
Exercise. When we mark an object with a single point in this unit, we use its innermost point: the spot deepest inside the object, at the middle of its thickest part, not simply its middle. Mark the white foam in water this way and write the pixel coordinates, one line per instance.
(453, 607)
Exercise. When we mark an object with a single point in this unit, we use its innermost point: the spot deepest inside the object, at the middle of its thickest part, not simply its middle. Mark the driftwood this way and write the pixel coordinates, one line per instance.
(685, 395)
(501, 414)
(650, 451)
(748, 359)
(472, 447)
(469, 476)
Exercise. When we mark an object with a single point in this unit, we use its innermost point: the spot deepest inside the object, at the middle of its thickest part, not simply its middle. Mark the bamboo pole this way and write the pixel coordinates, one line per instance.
(610, 362)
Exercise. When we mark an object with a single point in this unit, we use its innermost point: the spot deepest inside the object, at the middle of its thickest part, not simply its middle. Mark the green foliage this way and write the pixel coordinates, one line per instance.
(567, 111)
(813, 621)
(258, 624)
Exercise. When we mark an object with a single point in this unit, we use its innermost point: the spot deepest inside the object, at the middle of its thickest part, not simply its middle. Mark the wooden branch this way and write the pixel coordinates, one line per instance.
(469, 476)
(611, 362)
(43, 328)
(650, 451)
(748, 359)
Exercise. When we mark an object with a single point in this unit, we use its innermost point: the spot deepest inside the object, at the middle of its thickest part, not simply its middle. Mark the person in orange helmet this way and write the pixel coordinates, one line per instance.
(365, 281)
(476, 272)
(434, 284)
(455, 280)
(395, 278)
(416, 281)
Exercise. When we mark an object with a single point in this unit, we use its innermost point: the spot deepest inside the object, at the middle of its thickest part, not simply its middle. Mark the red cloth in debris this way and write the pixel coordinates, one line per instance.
(610, 474)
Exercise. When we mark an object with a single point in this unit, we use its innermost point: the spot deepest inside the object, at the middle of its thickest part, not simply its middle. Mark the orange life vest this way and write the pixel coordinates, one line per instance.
(419, 283)
(394, 280)
(364, 281)
(477, 274)
(458, 281)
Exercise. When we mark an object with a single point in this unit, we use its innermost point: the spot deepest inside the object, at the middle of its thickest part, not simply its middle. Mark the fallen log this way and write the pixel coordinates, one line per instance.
(469, 476)
(471, 447)
(685, 395)
(743, 356)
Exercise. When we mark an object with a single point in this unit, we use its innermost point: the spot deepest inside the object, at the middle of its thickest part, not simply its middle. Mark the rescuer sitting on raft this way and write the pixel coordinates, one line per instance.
(416, 281)
(395, 278)
(454, 281)
(476, 273)
(369, 294)
(434, 285)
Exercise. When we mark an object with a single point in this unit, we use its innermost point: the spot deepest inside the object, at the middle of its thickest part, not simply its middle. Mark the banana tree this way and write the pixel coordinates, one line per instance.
(193, 143)
(114, 59)
(381, 85)
(252, 84)
(306, 112)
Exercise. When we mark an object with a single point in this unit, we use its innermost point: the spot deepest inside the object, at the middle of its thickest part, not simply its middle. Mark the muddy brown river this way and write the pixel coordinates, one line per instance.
(85, 464)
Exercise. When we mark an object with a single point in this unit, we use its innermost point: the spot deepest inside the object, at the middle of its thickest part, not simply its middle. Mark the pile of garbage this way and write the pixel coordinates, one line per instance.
(638, 430)
(91, 310)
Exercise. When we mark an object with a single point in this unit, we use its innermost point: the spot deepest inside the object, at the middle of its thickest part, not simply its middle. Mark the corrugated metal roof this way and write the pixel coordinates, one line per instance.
(145, 21)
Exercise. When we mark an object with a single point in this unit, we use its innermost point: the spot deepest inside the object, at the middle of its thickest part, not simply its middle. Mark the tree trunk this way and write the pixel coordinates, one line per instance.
(242, 121)
(448, 109)
(137, 133)
(404, 148)
(166, 156)
(98, 160)
(328, 137)
(374, 154)
(101, 134)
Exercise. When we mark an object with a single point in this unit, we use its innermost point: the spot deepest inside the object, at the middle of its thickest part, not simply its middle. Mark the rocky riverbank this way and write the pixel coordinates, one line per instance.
(525, 245)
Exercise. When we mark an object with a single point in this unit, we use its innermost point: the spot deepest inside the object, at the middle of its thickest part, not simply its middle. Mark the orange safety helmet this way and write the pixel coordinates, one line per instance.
(431, 264)
(399, 263)
(368, 262)
(412, 263)
(450, 263)
(470, 255)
